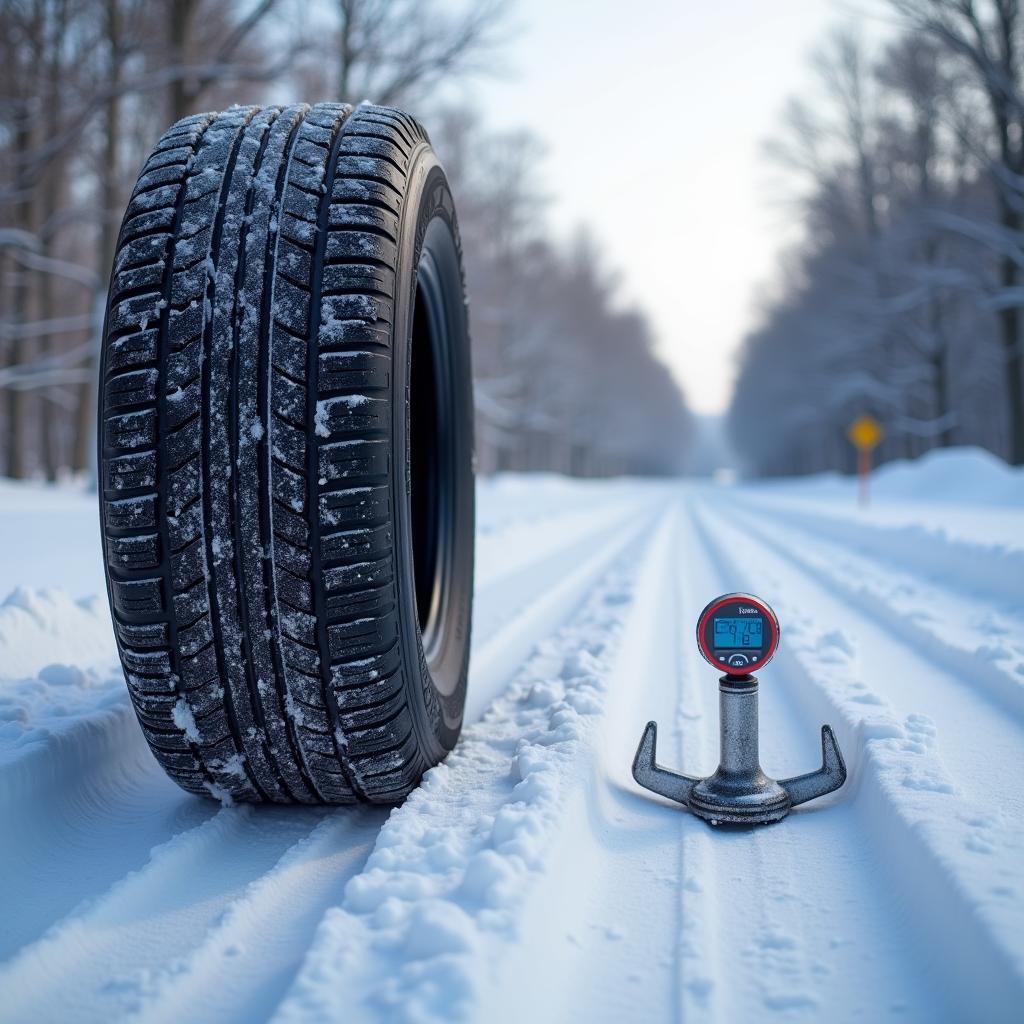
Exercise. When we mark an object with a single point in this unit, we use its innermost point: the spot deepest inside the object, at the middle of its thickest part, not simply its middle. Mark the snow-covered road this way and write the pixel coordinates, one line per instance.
(529, 878)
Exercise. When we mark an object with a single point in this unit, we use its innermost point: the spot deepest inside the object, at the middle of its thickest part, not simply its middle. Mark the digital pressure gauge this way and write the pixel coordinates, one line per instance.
(738, 633)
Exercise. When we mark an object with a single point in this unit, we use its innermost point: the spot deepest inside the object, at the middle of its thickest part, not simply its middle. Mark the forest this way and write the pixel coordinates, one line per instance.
(903, 298)
(567, 378)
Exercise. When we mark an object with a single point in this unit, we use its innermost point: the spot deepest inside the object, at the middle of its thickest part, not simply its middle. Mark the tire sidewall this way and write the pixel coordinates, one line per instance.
(439, 696)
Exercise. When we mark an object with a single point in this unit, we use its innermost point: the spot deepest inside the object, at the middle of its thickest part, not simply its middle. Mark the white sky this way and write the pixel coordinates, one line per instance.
(654, 113)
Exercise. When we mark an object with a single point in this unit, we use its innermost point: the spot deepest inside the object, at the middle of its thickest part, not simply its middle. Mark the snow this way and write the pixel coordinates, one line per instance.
(528, 877)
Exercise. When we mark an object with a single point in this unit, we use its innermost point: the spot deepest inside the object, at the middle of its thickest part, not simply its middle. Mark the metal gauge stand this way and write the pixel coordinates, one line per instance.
(738, 632)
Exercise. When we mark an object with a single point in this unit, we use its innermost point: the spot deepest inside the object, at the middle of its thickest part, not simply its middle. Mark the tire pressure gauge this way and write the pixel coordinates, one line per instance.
(737, 633)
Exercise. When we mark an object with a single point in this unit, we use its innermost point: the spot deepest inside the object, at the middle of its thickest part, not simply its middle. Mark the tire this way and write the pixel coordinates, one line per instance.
(286, 489)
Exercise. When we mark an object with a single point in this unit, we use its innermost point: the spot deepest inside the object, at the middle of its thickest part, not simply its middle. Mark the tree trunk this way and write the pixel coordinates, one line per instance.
(18, 463)
(179, 20)
(110, 196)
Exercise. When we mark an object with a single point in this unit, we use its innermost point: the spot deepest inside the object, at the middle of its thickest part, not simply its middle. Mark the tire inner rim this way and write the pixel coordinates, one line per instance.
(431, 457)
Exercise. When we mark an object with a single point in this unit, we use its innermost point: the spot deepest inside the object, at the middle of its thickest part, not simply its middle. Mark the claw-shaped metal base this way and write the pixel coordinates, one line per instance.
(739, 792)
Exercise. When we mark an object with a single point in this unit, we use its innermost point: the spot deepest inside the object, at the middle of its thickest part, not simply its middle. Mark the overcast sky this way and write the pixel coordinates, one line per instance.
(654, 113)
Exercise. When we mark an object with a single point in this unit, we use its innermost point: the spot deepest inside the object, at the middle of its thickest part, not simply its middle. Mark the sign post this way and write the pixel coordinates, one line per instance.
(865, 433)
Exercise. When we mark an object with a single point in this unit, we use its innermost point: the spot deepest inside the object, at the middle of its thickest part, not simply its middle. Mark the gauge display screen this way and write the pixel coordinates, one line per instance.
(739, 632)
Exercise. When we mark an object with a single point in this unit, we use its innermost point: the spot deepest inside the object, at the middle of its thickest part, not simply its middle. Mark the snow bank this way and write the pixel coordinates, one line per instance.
(965, 475)
(970, 475)
(38, 627)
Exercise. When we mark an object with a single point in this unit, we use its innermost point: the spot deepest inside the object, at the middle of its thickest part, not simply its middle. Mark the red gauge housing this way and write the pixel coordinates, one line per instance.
(737, 633)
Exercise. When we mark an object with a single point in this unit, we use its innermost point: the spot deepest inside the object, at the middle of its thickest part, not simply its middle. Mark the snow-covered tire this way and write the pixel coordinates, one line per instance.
(286, 489)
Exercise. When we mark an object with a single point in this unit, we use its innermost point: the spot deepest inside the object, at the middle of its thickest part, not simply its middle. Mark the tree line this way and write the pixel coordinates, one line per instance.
(904, 296)
(566, 379)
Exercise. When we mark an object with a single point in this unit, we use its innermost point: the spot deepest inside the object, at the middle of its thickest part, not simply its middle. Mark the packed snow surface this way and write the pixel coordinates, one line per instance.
(529, 878)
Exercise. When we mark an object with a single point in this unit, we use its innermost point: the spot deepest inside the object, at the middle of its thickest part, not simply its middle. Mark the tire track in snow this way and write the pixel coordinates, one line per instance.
(109, 803)
(592, 941)
(924, 824)
(972, 633)
(79, 812)
(790, 924)
(248, 958)
(96, 963)
(990, 568)
(109, 789)
(423, 930)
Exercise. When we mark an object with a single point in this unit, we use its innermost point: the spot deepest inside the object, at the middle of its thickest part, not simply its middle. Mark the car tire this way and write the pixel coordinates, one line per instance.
(285, 455)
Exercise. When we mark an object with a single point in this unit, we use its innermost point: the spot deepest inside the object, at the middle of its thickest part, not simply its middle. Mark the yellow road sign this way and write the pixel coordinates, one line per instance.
(865, 432)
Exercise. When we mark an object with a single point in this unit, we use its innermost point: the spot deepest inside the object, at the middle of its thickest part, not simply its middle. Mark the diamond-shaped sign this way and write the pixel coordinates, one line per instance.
(865, 432)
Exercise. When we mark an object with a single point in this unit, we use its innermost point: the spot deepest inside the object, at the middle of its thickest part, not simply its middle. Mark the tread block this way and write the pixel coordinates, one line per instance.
(136, 313)
(343, 308)
(356, 333)
(387, 734)
(183, 366)
(370, 715)
(184, 325)
(339, 370)
(358, 277)
(131, 388)
(297, 592)
(189, 564)
(298, 625)
(148, 277)
(290, 525)
(148, 223)
(291, 304)
(366, 190)
(299, 202)
(360, 574)
(131, 350)
(190, 604)
(289, 487)
(373, 168)
(137, 597)
(357, 545)
(184, 527)
(295, 560)
(295, 262)
(150, 249)
(141, 634)
(195, 637)
(359, 604)
(365, 679)
(182, 404)
(365, 245)
(289, 353)
(133, 552)
(288, 399)
(131, 513)
(199, 667)
(363, 637)
(183, 443)
(364, 216)
(342, 460)
(125, 472)
(288, 444)
(147, 663)
(351, 414)
(130, 430)
(354, 505)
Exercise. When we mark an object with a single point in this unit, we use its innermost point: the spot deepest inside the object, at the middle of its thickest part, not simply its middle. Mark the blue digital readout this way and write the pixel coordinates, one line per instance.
(739, 631)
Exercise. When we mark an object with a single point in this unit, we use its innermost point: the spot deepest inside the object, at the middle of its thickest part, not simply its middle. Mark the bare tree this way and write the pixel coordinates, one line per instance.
(400, 51)
(889, 305)
(986, 36)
